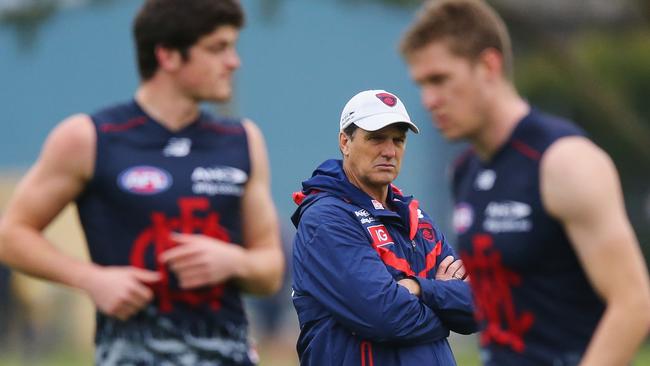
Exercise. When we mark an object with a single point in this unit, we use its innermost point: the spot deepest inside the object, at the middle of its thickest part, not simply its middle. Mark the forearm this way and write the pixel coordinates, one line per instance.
(618, 335)
(26, 250)
(452, 303)
(261, 270)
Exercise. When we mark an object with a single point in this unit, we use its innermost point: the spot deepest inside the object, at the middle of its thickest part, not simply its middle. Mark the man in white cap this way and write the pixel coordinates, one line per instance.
(375, 282)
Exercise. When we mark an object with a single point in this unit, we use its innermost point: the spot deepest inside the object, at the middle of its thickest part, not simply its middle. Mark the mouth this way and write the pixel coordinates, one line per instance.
(385, 166)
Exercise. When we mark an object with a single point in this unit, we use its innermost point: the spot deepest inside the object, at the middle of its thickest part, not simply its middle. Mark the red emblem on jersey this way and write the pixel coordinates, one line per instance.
(195, 217)
(380, 236)
(388, 99)
(492, 284)
(427, 231)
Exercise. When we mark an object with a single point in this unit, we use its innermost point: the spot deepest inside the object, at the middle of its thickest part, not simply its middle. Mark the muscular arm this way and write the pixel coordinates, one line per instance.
(55, 180)
(60, 174)
(580, 187)
(263, 265)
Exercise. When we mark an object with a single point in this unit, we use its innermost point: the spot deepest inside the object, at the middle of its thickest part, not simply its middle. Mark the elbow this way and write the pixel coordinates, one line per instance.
(267, 285)
(635, 308)
(274, 282)
(642, 307)
(270, 287)
(3, 244)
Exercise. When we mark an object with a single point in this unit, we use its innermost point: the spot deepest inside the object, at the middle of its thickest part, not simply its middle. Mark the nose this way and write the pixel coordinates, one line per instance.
(232, 59)
(430, 98)
(389, 150)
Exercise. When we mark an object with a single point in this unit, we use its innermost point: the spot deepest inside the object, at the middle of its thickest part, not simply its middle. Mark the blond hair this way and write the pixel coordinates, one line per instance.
(469, 27)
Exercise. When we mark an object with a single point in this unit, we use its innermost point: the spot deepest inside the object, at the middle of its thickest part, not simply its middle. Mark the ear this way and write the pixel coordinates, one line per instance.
(492, 62)
(344, 143)
(169, 59)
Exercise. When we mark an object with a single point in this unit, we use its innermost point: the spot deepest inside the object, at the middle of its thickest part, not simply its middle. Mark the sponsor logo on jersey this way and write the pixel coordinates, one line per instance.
(485, 180)
(377, 205)
(507, 216)
(463, 217)
(362, 213)
(380, 236)
(364, 216)
(145, 180)
(223, 180)
(177, 147)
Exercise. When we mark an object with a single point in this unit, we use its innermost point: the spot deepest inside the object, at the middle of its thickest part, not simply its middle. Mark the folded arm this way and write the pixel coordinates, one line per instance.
(342, 271)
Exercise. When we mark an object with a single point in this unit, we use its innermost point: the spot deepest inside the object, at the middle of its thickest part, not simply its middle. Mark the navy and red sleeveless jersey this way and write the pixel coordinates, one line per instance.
(147, 183)
(532, 297)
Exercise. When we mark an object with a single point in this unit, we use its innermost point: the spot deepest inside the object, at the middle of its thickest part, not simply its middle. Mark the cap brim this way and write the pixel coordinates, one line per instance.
(379, 121)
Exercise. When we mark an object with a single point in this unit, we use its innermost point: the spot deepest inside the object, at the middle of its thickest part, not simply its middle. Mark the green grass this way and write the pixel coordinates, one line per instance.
(466, 353)
(464, 350)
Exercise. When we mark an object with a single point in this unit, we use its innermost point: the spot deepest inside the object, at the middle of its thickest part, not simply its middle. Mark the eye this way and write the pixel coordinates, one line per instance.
(436, 79)
(217, 48)
(373, 136)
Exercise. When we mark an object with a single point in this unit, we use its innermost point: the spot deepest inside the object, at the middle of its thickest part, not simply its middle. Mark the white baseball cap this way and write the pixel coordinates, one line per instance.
(372, 110)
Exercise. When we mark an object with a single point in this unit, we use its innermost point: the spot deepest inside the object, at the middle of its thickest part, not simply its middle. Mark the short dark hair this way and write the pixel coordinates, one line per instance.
(468, 26)
(178, 24)
(349, 131)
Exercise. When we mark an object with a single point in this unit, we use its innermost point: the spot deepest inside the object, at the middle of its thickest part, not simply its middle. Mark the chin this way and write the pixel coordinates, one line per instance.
(384, 179)
(221, 98)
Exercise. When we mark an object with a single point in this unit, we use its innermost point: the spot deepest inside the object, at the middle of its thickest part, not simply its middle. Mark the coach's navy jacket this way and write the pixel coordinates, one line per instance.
(349, 252)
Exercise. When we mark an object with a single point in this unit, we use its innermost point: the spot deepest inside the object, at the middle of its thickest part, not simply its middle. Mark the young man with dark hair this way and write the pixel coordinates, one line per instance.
(174, 202)
(555, 266)
(375, 281)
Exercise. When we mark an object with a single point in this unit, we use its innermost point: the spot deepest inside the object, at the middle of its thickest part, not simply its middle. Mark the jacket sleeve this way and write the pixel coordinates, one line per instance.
(451, 300)
(342, 271)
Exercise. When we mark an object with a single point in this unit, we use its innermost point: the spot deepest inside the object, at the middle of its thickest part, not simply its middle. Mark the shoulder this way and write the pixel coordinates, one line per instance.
(73, 133)
(329, 210)
(252, 131)
(575, 173)
(71, 146)
(539, 130)
(329, 206)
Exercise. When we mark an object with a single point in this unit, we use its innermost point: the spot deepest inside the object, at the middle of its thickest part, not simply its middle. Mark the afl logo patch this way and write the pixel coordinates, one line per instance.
(145, 180)
(388, 99)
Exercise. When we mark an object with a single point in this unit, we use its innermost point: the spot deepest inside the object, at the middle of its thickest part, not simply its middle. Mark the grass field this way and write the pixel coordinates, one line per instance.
(465, 356)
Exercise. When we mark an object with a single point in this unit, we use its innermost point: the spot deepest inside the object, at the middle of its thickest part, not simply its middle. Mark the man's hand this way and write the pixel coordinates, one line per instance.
(120, 292)
(451, 269)
(412, 285)
(201, 260)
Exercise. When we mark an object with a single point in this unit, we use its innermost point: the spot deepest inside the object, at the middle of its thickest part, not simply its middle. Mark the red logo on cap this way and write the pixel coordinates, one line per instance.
(388, 99)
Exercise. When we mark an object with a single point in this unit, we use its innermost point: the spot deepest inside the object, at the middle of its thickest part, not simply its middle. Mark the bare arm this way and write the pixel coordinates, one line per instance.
(56, 178)
(580, 187)
(60, 174)
(263, 267)
(258, 265)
